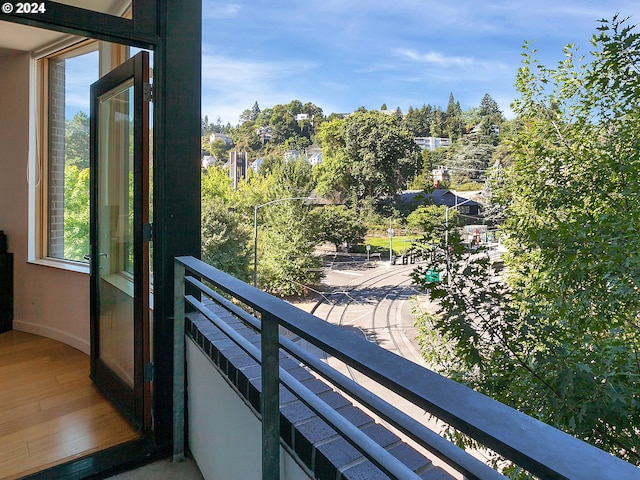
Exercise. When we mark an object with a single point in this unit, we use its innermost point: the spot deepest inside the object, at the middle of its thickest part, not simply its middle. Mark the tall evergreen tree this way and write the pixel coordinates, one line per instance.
(491, 117)
(454, 124)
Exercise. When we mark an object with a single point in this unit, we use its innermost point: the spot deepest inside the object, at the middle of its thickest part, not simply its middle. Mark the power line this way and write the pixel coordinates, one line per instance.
(468, 169)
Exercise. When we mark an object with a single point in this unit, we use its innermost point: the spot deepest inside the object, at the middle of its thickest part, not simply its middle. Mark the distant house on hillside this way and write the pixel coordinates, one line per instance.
(431, 143)
(265, 134)
(221, 136)
(314, 155)
(207, 161)
(255, 165)
(292, 155)
(441, 176)
(468, 209)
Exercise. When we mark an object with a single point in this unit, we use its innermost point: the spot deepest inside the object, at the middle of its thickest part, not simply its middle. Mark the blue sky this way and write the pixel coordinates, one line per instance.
(343, 54)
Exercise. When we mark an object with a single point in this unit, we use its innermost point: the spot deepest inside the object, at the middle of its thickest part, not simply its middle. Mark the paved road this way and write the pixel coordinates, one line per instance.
(374, 303)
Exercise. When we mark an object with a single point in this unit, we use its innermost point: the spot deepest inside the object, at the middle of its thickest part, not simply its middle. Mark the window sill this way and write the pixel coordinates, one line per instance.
(77, 267)
(120, 282)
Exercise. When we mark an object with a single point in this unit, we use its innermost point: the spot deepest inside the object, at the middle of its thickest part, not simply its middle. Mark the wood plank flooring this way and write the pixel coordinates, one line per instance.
(50, 411)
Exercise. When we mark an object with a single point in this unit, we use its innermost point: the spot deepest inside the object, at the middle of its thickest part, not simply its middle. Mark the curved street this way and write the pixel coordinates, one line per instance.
(373, 303)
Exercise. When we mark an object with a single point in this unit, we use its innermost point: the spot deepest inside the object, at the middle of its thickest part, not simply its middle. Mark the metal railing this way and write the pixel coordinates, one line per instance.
(539, 448)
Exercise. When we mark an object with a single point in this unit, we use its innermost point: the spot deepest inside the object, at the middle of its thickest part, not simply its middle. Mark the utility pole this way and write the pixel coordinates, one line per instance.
(446, 232)
(390, 240)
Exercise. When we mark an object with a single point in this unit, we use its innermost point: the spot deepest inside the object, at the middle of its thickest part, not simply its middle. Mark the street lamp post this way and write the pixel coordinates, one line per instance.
(255, 232)
(391, 232)
(446, 221)
(446, 231)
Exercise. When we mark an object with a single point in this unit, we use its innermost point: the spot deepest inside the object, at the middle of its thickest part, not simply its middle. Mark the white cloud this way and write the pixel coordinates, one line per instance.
(448, 67)
(230, 86)
(216, 10)
(243, 74)
(436, 59)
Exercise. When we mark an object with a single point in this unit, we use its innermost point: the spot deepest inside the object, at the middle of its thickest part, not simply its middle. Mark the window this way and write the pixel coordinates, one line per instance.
(65, 200)
(60, 180)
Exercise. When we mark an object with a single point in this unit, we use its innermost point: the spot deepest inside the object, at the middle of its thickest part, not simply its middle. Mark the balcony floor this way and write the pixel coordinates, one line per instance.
(50, 411)
(163, 470)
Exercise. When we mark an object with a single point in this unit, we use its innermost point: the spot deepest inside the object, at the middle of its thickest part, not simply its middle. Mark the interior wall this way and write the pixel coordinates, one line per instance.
(47, 301)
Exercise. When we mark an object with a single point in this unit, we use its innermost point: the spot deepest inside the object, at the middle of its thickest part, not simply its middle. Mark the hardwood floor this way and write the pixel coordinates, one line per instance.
(50, 411)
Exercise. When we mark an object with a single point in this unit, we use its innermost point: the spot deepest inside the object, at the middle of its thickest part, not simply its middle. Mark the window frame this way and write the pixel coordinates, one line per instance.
(109, 56)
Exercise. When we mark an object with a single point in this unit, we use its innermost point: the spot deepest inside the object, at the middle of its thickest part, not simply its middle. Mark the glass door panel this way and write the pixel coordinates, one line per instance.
(115, 231)
(119, 249)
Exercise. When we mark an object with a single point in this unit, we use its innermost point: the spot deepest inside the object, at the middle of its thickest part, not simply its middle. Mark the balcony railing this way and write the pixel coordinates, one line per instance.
(538, 448)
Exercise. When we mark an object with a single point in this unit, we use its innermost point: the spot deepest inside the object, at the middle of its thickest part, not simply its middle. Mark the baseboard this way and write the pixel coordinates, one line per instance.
(53, 333)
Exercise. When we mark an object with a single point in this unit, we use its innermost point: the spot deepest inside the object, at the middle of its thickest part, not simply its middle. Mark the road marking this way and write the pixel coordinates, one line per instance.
(347, 273)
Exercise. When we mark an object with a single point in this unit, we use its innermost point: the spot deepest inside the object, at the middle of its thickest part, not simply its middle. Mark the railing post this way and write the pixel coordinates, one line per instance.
(270, 399)
(178, 363)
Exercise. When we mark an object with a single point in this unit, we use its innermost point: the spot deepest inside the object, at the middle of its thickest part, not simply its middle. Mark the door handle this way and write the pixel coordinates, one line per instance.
(88, 256)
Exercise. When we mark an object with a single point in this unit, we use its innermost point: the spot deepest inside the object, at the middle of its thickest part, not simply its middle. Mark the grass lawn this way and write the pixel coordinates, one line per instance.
(381, 244)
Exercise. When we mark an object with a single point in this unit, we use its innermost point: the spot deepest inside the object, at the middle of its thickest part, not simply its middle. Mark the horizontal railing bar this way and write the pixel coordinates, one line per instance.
(463, 462)
(361, 441)
(238, 339)
(535, 446)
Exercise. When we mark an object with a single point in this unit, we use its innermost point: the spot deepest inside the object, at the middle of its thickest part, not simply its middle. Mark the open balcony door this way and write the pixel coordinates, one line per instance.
(120, 239)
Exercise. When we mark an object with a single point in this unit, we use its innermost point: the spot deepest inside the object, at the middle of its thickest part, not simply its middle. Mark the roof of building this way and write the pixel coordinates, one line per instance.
(440, 196)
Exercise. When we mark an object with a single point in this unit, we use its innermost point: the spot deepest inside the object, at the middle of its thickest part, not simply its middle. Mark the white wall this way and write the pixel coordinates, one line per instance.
(224, 434)
(48, 301)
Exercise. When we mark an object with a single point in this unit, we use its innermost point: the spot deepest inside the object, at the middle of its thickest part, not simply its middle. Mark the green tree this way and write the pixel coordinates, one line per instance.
(491, 118)
(288, 129)
(226, 239)
(558, 337)
(437, 126)
(220, 150)
(494, 209)
(76, 212)
(298, 143)
(287, 236)
(287, 265)
(315, 119)
(368, 153)
(76, 140)
(430, 220)
(216, 183)
(250, 114)
(333, 176)
(282, 120)
(469, 158)
(338, 225)
(245, 137)
(454, 122)
(289, 178)
(226, 231)
(418, 121)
